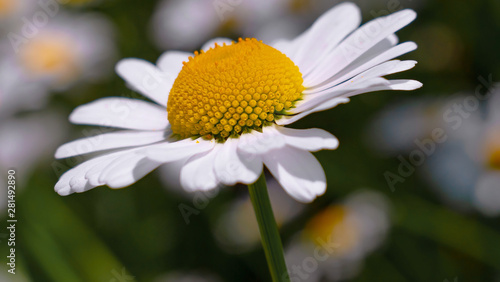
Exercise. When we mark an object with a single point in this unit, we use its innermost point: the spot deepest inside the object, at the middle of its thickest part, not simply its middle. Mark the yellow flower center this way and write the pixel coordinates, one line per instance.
(331, 225)
(494, 159)
(491, 148)
(233, 89)
(50, 55)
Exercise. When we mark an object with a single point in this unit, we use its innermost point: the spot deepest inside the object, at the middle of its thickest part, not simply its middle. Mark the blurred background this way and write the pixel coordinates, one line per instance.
(413, 190)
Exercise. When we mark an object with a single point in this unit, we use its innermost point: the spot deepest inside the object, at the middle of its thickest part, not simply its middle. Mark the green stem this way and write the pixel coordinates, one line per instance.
(269, 233)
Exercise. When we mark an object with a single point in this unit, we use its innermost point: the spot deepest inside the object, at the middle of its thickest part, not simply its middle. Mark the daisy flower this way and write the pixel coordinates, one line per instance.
(463, 169)
(339, 238)
(67, 50)
(237, 230)
(26, 142)
(207, 18)
(224, 110)
(466, 169)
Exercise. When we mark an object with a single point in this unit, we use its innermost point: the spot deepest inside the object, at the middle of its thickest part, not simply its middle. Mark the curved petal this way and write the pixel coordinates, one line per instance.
(146, 78)
(173, 151)
(324, 106)
(358, 43)
(298, 172)
(74, 180)
(325, 34)
(313, 139)
(121, 113)
(256, 143)
(383, 69)
(331, 100)
(315, 100)
(233, 167)
(363, 64)
(126, 170)
(170, 62)
(113, 140)
(198, 172)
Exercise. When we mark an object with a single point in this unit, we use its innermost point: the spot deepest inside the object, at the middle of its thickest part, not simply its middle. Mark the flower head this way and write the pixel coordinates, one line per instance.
(222, 110)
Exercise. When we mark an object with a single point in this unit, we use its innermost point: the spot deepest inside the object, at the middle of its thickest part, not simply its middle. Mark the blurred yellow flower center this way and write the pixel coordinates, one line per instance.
(233, 89)
(49, 55)
(332, 225)
(494, 160)
(7, 6)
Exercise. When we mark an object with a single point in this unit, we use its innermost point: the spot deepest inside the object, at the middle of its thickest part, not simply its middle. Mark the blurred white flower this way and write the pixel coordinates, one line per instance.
(237, 230)
(68, 49)
(25, 142)
(335, 242)
(187, 24)
(465, 169)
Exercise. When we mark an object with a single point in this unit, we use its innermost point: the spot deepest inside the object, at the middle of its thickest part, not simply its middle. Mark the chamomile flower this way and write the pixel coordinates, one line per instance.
(223, 110)
(67, 50)
(237, 230)
(207, 18)
(25, 142)
(336, 241)
(463, 168)
(471, 164)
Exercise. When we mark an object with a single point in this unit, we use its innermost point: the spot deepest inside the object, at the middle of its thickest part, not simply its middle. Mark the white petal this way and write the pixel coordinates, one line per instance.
(170, 62)
(127, 170)
(313, 139)
(147, 79)
(362, 64)
(122, 113)
(233, 166)
(487, 193)
(325, 34)
(299, 172)
(93, 174)
(173, 151)
(74, 180)
(325, 103)
(383, 69)
(113, 140)
(198, 172)
(219, 40)
(286, 47)
(359, 42)
(324, 106)
(316, 99)
(256, 143)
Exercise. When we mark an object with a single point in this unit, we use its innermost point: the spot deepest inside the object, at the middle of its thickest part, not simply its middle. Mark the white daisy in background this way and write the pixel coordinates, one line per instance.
(13, 10)
(224, 110)
(338, 239)
(25, 142)
(69, 49)
(472, 163)
(237, 230)
(463, 170)
(206, 18)
(17, 91)
(398, 126)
